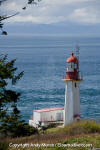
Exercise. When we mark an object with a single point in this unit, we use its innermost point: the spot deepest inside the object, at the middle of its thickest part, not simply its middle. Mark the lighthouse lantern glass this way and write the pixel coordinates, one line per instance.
(70, 67)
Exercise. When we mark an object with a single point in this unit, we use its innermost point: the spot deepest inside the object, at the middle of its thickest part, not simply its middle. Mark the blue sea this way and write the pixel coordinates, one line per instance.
(43, 60)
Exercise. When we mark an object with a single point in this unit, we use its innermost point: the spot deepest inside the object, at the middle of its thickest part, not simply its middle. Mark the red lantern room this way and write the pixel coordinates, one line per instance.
(72, 71)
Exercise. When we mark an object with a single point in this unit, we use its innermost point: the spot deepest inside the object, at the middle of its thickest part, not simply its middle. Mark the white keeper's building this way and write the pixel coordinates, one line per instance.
(47, 116)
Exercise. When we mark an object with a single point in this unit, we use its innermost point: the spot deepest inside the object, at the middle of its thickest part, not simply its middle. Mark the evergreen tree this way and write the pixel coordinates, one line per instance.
(10, 121)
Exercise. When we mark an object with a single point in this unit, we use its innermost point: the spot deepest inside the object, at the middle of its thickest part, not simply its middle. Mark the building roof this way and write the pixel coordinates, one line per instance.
(72, 59)
(48, 109)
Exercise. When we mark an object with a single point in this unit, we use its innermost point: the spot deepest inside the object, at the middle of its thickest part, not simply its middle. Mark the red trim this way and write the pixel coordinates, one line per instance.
(48, 109)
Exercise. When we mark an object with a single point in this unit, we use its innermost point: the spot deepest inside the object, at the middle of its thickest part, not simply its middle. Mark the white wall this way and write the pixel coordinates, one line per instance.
(51, 115)
(46, 116)
(36, 117)
(72, 101)
(76, 97)
(68, 115)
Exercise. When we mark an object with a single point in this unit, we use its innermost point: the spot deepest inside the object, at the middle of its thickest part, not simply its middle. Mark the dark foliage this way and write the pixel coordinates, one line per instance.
(4, 145)
(10, 121)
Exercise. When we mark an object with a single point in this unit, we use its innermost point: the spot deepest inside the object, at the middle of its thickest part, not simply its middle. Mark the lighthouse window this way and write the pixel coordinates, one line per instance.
(72, 65)
(67, 66)
(75, 66)
(75, 85)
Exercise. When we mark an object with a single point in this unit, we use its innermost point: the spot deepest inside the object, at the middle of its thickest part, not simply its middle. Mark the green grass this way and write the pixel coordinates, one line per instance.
(82, 127)
(83, 132)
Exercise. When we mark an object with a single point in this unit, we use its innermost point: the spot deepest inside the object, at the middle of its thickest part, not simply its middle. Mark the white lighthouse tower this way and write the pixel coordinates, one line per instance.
(72, 81)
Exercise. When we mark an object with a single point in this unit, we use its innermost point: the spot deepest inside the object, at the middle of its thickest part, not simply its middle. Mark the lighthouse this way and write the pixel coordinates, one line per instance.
(72, 81)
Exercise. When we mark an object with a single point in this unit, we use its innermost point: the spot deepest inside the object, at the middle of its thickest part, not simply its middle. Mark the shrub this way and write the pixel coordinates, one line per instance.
(82, 127)
(4, 145)
(92, 127)
(18, 129)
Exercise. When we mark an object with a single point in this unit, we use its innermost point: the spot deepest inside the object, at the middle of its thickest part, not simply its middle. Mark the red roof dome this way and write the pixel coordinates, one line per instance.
(72, 59)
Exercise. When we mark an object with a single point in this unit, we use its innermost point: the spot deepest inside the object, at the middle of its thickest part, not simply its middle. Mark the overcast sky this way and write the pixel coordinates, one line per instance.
(80, 12)
(56, 11)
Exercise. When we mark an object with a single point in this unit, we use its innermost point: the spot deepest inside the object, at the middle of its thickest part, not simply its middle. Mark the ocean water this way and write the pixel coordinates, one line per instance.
(43, 60)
